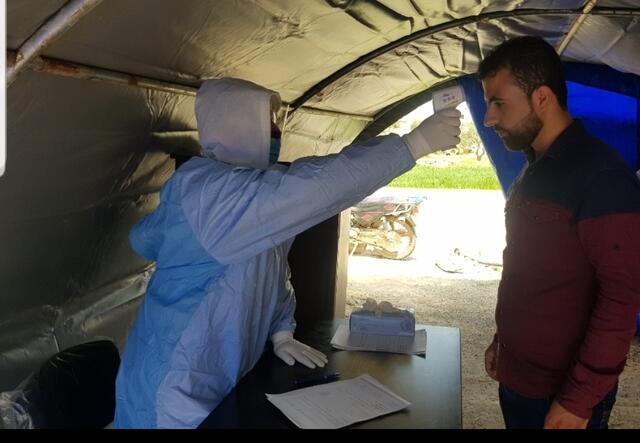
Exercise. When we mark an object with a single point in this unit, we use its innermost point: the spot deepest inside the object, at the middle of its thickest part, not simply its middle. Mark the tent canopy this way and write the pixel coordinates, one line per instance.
(101, 92)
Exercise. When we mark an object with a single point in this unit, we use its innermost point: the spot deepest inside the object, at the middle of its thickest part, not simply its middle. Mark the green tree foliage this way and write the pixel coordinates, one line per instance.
(470, 141)
(469, 138)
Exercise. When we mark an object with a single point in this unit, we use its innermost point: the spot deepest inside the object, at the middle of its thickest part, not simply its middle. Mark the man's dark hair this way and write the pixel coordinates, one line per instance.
(532, 61)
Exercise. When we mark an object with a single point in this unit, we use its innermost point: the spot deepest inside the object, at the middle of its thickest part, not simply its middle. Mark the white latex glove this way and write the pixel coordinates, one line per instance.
(436, 133)
(291, 350)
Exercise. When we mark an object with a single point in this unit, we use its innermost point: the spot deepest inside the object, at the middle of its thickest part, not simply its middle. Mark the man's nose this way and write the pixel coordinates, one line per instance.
(490, 119)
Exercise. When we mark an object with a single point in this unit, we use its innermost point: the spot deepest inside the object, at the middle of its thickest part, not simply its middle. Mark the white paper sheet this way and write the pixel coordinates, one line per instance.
(343, 339)
(338, 404)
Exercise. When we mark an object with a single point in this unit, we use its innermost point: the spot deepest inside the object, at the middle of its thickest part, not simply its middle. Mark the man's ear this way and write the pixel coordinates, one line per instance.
(542, 98)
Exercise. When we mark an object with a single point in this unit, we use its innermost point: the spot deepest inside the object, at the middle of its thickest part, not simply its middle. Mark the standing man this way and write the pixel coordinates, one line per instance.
(570, 287)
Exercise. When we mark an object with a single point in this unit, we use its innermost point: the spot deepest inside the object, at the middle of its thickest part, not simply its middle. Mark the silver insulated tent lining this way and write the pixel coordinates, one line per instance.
(87, 157)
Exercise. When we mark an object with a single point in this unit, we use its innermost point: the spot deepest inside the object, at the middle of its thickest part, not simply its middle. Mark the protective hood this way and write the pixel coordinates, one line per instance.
(234, 121)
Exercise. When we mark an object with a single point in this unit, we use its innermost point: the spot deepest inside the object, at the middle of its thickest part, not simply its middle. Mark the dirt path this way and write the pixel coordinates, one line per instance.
(473, 223)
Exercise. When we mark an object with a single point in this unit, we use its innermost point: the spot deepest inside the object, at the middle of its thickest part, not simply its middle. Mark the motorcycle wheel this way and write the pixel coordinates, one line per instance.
(407, 232)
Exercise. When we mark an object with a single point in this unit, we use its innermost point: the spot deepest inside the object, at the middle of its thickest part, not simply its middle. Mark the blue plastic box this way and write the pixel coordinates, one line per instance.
(399, 323)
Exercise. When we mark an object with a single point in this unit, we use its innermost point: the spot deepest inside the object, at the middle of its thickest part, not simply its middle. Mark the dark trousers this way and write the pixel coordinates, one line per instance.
(526, 413)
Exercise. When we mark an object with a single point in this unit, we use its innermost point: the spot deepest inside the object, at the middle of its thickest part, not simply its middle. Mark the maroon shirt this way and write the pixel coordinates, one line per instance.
(570, 288)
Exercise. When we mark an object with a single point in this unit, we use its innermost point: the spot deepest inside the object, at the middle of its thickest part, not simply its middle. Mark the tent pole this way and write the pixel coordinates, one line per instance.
(317, 111)
(74, 70)
(51, 30)
(64, 68)
(576, 25)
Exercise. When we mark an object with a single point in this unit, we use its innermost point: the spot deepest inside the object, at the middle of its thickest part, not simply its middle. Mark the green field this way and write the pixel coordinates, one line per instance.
(463, 175)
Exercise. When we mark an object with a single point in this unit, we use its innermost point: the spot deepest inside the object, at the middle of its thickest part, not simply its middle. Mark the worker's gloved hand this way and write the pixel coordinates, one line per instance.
(291, 350)
(439, 132)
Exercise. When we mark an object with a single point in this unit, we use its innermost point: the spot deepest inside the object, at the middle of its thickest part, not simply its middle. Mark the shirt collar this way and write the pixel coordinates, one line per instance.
(572, 136)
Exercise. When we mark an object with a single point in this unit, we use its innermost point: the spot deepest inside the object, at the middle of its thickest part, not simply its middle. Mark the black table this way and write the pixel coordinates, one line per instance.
(431, 383)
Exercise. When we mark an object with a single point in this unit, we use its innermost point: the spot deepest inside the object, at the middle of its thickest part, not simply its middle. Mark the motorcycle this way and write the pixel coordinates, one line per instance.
(385, 225)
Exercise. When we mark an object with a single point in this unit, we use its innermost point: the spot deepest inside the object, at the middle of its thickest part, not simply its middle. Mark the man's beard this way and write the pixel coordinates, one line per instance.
(521, 137)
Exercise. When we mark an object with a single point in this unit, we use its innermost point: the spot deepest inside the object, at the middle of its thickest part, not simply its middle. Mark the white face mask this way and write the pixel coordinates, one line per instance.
(274, 150)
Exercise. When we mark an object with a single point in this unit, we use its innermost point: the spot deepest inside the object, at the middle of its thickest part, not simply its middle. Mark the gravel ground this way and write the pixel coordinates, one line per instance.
(452, 280)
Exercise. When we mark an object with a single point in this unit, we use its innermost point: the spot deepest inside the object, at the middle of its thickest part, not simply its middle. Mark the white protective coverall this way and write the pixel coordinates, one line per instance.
(220, 239)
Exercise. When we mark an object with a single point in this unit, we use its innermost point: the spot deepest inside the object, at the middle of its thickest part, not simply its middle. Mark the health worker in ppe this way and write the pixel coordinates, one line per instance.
(220, 237)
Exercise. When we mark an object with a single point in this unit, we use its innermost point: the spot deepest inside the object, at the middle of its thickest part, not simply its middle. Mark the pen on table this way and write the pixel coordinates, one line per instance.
(316, 380)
